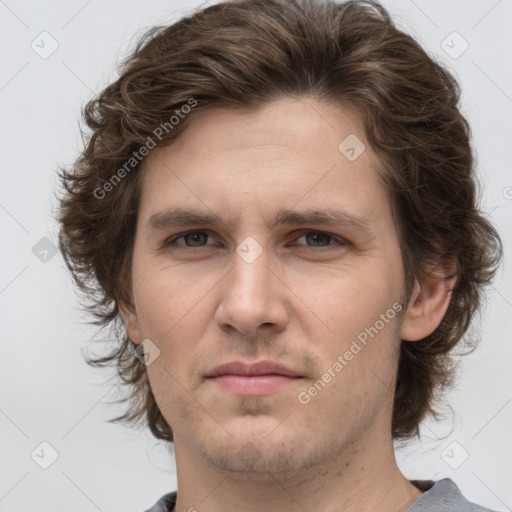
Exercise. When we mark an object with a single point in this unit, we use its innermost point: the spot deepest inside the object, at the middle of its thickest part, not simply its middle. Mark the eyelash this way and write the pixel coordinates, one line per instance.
(171, 241)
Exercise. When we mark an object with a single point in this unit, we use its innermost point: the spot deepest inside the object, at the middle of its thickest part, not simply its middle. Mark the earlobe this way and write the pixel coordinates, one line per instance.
(129, 317)
(427, 306)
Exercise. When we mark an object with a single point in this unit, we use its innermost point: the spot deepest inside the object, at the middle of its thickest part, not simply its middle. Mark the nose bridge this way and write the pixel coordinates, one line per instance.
(251, 296)
(250, 276)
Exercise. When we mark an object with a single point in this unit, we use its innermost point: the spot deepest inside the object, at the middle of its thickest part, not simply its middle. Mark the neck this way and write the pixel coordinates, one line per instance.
(360, 478)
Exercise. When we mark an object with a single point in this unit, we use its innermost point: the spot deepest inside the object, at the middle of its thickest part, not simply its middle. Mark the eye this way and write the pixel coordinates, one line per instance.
(191, 239)
(197, 239)
(320, 239)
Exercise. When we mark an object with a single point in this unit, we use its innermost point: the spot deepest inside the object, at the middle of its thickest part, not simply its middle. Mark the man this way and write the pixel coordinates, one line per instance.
(277, 205)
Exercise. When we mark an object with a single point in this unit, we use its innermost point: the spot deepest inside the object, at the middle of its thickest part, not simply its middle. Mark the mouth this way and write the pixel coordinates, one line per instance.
(258, 379)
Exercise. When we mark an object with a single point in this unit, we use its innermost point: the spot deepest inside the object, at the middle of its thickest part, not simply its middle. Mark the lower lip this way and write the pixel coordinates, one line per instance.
(253, 384)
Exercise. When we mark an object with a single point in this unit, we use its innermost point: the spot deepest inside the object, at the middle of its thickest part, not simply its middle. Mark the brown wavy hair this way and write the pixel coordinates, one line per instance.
(247, 53)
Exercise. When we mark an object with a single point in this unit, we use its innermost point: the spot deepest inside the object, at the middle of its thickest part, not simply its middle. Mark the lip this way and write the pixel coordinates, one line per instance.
(259, 368)
(258, 379)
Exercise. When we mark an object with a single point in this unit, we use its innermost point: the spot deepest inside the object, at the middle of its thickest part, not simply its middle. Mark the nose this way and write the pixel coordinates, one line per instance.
(254, 298)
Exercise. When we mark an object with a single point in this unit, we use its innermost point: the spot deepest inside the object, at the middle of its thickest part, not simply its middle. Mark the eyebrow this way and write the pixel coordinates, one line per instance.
(179, 217)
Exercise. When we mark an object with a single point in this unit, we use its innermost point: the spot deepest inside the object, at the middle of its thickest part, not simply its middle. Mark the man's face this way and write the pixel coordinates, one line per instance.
(242, 291)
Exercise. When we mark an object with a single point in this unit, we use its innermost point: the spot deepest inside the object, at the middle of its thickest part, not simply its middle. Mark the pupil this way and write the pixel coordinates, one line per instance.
(315, 236)
(187, 237)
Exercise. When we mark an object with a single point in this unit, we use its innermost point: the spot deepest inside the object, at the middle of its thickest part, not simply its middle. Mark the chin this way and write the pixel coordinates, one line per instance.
(259, 451)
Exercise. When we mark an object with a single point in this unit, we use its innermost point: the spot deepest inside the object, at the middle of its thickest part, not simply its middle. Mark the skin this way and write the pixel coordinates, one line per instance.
(301, 302)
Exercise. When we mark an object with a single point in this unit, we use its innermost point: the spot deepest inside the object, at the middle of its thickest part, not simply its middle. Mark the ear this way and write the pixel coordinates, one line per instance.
(428, 303)
(129, 316)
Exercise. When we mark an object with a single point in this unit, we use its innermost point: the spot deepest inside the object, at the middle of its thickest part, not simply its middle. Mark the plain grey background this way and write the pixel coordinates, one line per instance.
(49, 395)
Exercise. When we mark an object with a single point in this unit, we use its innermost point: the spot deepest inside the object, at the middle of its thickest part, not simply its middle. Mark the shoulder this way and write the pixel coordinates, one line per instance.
(440, 496)
(443, 495)
(165, 504)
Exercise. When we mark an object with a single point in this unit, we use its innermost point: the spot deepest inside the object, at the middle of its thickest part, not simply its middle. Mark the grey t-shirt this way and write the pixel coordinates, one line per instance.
(440, 496)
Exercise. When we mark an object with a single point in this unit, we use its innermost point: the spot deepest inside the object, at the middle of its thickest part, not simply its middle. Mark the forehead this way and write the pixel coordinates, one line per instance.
(304, 125)
(289, 152)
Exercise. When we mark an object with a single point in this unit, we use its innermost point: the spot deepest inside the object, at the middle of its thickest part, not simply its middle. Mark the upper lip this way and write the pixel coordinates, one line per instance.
(259, 368)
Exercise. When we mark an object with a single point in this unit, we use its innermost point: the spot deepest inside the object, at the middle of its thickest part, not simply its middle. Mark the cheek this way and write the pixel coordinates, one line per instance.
(353, 299)
(357, 355)
(175, 314)
(352, 390)
(168, 298)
